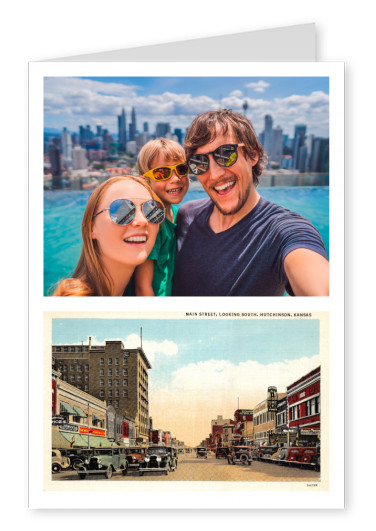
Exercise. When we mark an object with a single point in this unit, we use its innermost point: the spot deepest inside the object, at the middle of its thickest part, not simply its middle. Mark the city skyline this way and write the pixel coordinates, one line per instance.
(201, 366)
(71, 102)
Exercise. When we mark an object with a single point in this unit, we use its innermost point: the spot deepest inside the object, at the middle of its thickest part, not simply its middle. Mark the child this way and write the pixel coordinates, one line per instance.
(162, 163)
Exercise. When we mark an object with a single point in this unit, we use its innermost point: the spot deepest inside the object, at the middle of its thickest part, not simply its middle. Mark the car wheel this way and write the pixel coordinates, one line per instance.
(75, 464)
(125, 471)
(56, 468)
(109, 472)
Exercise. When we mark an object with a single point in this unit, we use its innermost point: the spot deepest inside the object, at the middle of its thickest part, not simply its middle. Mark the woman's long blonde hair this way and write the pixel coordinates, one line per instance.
(90, 276)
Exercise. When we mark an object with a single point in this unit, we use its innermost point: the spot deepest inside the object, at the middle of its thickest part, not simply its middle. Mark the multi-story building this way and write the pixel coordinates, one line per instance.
(303, 397)
(217, 429)
(264, 422)
(78, 419)
(109, 372)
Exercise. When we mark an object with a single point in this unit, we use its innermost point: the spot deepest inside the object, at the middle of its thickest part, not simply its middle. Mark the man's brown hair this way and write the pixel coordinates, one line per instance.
(207, 125)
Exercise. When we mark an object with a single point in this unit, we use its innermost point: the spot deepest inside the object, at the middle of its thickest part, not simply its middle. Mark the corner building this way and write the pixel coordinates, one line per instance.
(111, 373)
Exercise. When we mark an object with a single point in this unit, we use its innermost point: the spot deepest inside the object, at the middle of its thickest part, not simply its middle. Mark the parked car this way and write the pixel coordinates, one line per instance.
(305, 455)
(158, 459)
(76, 455)
(59, 462)
(240, 455)
(266, 451)
(104, 461)
(221, 451)
(201, 452)
(134, 456)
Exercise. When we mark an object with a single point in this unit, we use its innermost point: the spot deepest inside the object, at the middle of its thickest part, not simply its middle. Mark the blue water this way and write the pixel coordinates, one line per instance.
(63, 211)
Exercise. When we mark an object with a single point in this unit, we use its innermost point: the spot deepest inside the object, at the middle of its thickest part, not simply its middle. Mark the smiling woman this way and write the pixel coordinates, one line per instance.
(119, 229)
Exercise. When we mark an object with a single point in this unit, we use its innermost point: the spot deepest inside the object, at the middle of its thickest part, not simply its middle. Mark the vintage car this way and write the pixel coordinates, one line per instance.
(201, 452)
(76, 455)
(134, 456)
(103, 461)
(264, 452)
(304, 456)
(59, 462)
(240, 455)
(221, 451)
(158, 459)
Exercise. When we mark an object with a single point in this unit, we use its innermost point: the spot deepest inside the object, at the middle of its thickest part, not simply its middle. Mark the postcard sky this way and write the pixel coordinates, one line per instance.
(201, 366)
(70, 102)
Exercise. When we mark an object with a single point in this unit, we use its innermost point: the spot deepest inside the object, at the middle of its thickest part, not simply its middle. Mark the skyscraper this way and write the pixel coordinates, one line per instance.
(162, 129)
(299, 141)
(122, 131)
(132, 125)
(276, 153)
(54, 156)
(66, 142)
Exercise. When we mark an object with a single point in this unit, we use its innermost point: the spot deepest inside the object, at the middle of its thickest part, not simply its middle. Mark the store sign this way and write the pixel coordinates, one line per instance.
(92, 431)
(58, 420)
(69, 427)
(310, 432)
(272, 399)
(290, 430)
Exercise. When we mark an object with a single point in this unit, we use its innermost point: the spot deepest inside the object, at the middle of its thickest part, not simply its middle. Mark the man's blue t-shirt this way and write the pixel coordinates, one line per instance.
(246, 259)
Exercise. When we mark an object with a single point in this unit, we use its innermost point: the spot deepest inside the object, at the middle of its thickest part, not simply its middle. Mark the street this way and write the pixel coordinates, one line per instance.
(211, 469)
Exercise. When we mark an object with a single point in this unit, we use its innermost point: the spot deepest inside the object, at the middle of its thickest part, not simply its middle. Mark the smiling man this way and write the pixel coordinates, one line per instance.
(236, 242)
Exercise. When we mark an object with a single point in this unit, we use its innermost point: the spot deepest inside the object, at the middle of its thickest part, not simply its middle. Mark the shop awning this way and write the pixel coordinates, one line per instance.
(80, 413)
(77, 439)
(66, 408)
(100, 442)
(94, 416)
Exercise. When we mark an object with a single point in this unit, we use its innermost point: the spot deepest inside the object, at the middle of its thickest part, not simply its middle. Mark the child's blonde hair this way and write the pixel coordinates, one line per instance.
(160, 146)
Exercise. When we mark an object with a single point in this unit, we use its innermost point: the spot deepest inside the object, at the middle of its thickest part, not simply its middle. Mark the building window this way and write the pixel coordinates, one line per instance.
(86, 388)
(79, 368)
(125, 361)
(125, 393)
(72, 349)
(116, 382)
(101, 372)
(72, 378)
(72, 367)
(79, 349)
(79, 386)
(116, 403)
(65, 349)
(125, 382)
(86, 377)
(116, 392)
(102, 361)
(116, 361)
(101, 394)
(101, 383)
(109, 372)
(86, 368)
(110, 361)
(116, 372)
(125, 372)
(58, 349)
(109, 383)
(78, 377)
(110, 392)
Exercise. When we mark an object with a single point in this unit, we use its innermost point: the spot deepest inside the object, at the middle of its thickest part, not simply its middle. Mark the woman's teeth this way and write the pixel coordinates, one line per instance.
(136, 239)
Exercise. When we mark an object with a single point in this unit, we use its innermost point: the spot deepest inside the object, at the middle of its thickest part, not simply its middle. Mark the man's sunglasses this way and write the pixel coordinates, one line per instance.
(164, 173)
(123, 211)
(225, 156)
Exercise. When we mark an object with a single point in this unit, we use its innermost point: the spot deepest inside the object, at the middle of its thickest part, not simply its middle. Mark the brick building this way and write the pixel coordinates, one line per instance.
(112, 373)
(303, 397)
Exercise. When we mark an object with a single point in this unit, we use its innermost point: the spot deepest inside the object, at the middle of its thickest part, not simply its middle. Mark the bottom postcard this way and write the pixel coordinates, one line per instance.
(153, 405)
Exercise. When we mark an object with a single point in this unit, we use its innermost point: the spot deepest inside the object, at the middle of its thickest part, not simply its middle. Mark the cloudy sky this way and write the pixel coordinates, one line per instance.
(71, 102)
(201, 366)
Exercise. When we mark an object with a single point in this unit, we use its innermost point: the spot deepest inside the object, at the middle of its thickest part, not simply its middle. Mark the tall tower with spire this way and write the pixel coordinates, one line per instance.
(122, 131)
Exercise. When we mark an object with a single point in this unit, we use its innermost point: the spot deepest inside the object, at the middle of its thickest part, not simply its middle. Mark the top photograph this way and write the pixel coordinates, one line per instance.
(186, 186)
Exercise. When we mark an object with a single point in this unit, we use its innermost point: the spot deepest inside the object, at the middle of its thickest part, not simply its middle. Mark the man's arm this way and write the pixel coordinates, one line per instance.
(143, 278)
(307, 272)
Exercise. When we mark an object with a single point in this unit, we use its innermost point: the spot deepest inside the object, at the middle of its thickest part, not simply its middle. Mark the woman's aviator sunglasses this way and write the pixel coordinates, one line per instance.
(164, 173)
(123, 211)
(224, 156)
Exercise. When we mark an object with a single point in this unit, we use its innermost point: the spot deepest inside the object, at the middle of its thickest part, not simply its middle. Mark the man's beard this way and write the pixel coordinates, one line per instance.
(241, 202)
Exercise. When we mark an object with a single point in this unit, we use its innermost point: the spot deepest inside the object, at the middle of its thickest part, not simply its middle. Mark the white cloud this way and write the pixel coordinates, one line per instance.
(260, 86)
(198, 392)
